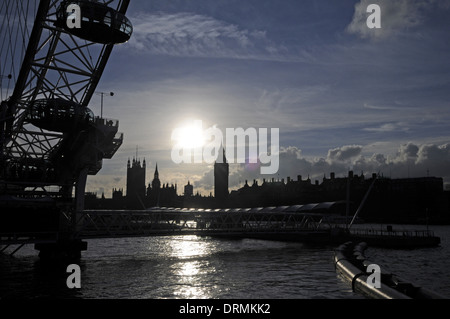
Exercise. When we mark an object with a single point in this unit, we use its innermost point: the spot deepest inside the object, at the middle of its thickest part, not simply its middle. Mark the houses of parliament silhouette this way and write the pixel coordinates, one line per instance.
(138, 196)
(404, 200)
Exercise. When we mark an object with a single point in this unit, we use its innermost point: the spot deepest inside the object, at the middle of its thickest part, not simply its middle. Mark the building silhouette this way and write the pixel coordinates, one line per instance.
(404, 200)
(160, 194)
(135, 184)
(221, 173)
(117, 193)
(188, 190)
(154, 189)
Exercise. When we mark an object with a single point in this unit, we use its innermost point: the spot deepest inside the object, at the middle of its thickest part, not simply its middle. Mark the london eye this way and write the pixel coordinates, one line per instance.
(50, 139)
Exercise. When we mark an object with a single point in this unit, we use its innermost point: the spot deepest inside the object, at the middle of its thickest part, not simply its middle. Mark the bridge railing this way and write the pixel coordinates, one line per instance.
(133, 223)
(15, 238)
(391, 232)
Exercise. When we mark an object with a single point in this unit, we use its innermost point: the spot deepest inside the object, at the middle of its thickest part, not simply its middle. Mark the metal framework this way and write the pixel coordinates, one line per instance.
(172, 221)
(48, 66)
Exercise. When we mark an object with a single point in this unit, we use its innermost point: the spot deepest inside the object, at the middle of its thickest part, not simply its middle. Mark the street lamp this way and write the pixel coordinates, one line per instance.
(101, 107)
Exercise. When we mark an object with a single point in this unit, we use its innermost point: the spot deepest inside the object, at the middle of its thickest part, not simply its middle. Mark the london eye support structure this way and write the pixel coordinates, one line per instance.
(50, 140)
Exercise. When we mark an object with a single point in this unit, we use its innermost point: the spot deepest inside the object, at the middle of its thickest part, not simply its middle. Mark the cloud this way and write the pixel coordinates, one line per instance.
(396, 16)
(195, 35)
(432, 154)
(288, 97)
(388, 127)
(406, 152)
(344, 153)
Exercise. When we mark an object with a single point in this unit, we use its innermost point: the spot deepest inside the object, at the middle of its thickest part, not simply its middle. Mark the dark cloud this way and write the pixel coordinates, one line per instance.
(406, 152)
(433, 153)
(344, 153)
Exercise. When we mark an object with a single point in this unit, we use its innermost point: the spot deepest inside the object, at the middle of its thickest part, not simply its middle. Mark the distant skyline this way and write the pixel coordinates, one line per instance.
(343, 96)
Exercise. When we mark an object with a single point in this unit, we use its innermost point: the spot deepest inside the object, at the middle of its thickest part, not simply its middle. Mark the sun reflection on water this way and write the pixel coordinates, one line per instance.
(192, 268)
(189, 247)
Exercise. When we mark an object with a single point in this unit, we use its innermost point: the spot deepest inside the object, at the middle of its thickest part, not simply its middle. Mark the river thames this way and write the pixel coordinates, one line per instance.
(191, 267)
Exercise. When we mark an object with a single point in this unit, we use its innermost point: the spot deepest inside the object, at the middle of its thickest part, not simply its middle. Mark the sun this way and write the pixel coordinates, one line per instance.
(190, 135)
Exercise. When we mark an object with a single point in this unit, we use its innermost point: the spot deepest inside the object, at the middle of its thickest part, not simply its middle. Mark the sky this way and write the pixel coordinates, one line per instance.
(343, 96)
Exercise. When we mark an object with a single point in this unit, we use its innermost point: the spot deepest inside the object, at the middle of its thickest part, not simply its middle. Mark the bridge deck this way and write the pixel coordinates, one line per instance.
(163, 222)
(265, 223)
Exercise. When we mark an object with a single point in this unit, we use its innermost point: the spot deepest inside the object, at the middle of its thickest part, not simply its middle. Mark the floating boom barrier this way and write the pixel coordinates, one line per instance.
(351, 263)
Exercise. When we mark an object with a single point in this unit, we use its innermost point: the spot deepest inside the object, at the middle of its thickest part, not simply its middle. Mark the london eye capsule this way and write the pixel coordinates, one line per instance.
(98, 22)
(59, 115)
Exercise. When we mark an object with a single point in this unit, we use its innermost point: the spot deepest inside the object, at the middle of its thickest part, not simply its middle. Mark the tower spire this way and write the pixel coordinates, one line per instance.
(224, 157)
(156, 176)
(156, 183)
(221, 174)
